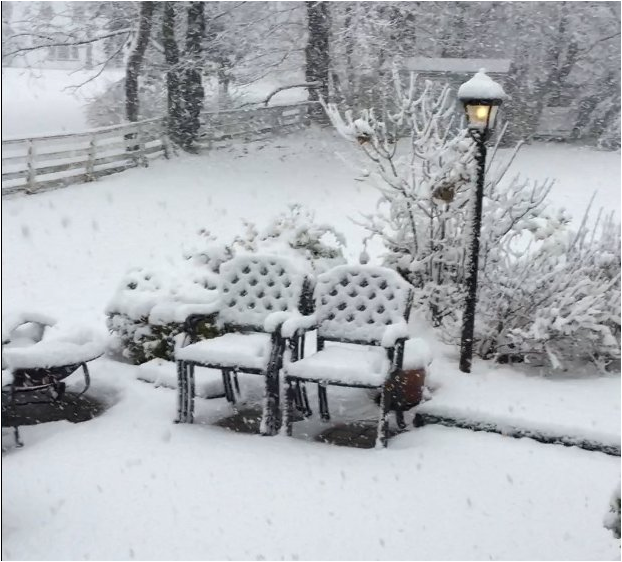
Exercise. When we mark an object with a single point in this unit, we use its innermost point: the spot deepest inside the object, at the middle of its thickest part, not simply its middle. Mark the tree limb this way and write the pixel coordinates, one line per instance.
(22, 50)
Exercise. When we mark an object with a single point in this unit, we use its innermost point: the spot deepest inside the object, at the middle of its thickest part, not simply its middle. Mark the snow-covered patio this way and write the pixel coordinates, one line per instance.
(131, 484)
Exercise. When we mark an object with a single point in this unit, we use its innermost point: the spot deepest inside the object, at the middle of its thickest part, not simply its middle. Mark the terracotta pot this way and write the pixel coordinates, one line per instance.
(407, 389)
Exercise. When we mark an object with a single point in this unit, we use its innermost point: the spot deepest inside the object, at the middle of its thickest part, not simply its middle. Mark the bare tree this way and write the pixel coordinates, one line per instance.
(317, 54)
(135, 59)
(171, 54)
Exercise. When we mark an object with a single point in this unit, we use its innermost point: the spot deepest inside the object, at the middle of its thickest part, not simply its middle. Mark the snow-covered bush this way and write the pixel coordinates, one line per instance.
(142, 313)
(612, 519)
(543, 289)
(296, 234)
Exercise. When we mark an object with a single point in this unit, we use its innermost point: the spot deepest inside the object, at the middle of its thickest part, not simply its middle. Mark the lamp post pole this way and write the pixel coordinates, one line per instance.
(481, 97)
(468, 323)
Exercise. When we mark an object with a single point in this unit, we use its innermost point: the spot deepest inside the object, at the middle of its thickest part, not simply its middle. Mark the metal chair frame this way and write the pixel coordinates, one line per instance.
(296, 394)
(271, 419)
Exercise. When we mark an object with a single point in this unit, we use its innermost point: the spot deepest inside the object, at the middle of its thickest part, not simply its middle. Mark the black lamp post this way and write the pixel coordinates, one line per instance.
(481, 97)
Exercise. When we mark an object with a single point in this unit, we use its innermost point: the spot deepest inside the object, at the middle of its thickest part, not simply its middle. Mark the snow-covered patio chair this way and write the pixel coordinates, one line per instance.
(363, 306)
(257, 294)
(36, 358)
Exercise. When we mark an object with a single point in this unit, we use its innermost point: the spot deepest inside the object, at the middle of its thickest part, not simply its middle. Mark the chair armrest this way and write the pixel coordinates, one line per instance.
(12, 321)
(191, 315)
(298, 324)
(273, 322)
(393, 333)
(196, 312)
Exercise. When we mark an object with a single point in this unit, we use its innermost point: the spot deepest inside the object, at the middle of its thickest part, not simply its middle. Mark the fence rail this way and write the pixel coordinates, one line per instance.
(40, 163)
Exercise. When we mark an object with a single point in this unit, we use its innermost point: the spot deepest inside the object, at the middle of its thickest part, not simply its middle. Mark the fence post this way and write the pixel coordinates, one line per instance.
(90, 163)
(32, 173)
(276, 120)
(166, 143)
(141, 146)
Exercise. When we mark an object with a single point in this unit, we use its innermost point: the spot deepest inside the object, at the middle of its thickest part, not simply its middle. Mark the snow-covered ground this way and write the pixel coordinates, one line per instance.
(130, 484)
(84, 238)
(571, 405)
(46, 102)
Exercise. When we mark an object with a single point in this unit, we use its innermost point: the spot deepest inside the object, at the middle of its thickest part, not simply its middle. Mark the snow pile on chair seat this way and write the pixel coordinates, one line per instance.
(56, 349)
(344, 363)
(231, 350)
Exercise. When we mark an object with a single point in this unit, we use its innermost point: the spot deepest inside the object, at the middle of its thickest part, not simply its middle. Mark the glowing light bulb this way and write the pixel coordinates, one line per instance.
(481, 112)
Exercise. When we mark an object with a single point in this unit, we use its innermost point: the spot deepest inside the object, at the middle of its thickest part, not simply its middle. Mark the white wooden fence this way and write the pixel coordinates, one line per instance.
(35, 164)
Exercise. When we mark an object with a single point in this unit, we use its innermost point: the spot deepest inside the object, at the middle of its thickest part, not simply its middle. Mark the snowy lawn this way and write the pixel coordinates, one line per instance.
(130, 484)
(82, 239)
(46, 102)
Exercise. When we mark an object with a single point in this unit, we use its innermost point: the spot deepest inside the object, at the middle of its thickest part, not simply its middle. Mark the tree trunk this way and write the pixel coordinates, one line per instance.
(135, 60)
(317, 55)
(171, 54)
(193, 92)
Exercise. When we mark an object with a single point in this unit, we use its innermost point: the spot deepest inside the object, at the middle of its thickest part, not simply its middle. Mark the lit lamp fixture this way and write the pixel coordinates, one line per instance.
(481, 97)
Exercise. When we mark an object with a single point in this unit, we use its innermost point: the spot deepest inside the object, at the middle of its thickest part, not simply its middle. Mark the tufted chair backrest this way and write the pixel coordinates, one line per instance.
(255, 286)
(356, 303)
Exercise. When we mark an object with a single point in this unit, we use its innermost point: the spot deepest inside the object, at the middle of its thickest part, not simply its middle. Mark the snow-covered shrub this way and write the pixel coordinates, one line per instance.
(295, 233)
(543, 289)
(141, 314)
(612, 519)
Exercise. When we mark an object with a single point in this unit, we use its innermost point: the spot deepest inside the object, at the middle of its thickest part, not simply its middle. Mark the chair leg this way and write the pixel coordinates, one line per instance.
(87, 379)
(297, 396)
(306, 410)
(323, 402)
(12, 409)
(236, 383)
(290, 399)
(301, 351)
(18, 441)
(181, 398)
(383, 422)
(399, 419)
(270, 421)
(190, 395)
(226, 381)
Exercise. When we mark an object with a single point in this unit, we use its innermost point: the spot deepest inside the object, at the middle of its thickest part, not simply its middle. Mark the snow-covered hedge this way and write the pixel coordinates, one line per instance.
(544, 289)
(141, 314)
(144, 313)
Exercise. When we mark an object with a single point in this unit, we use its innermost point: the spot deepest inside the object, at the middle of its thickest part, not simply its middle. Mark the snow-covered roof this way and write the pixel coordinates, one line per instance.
(481, 86)
(466, 66)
